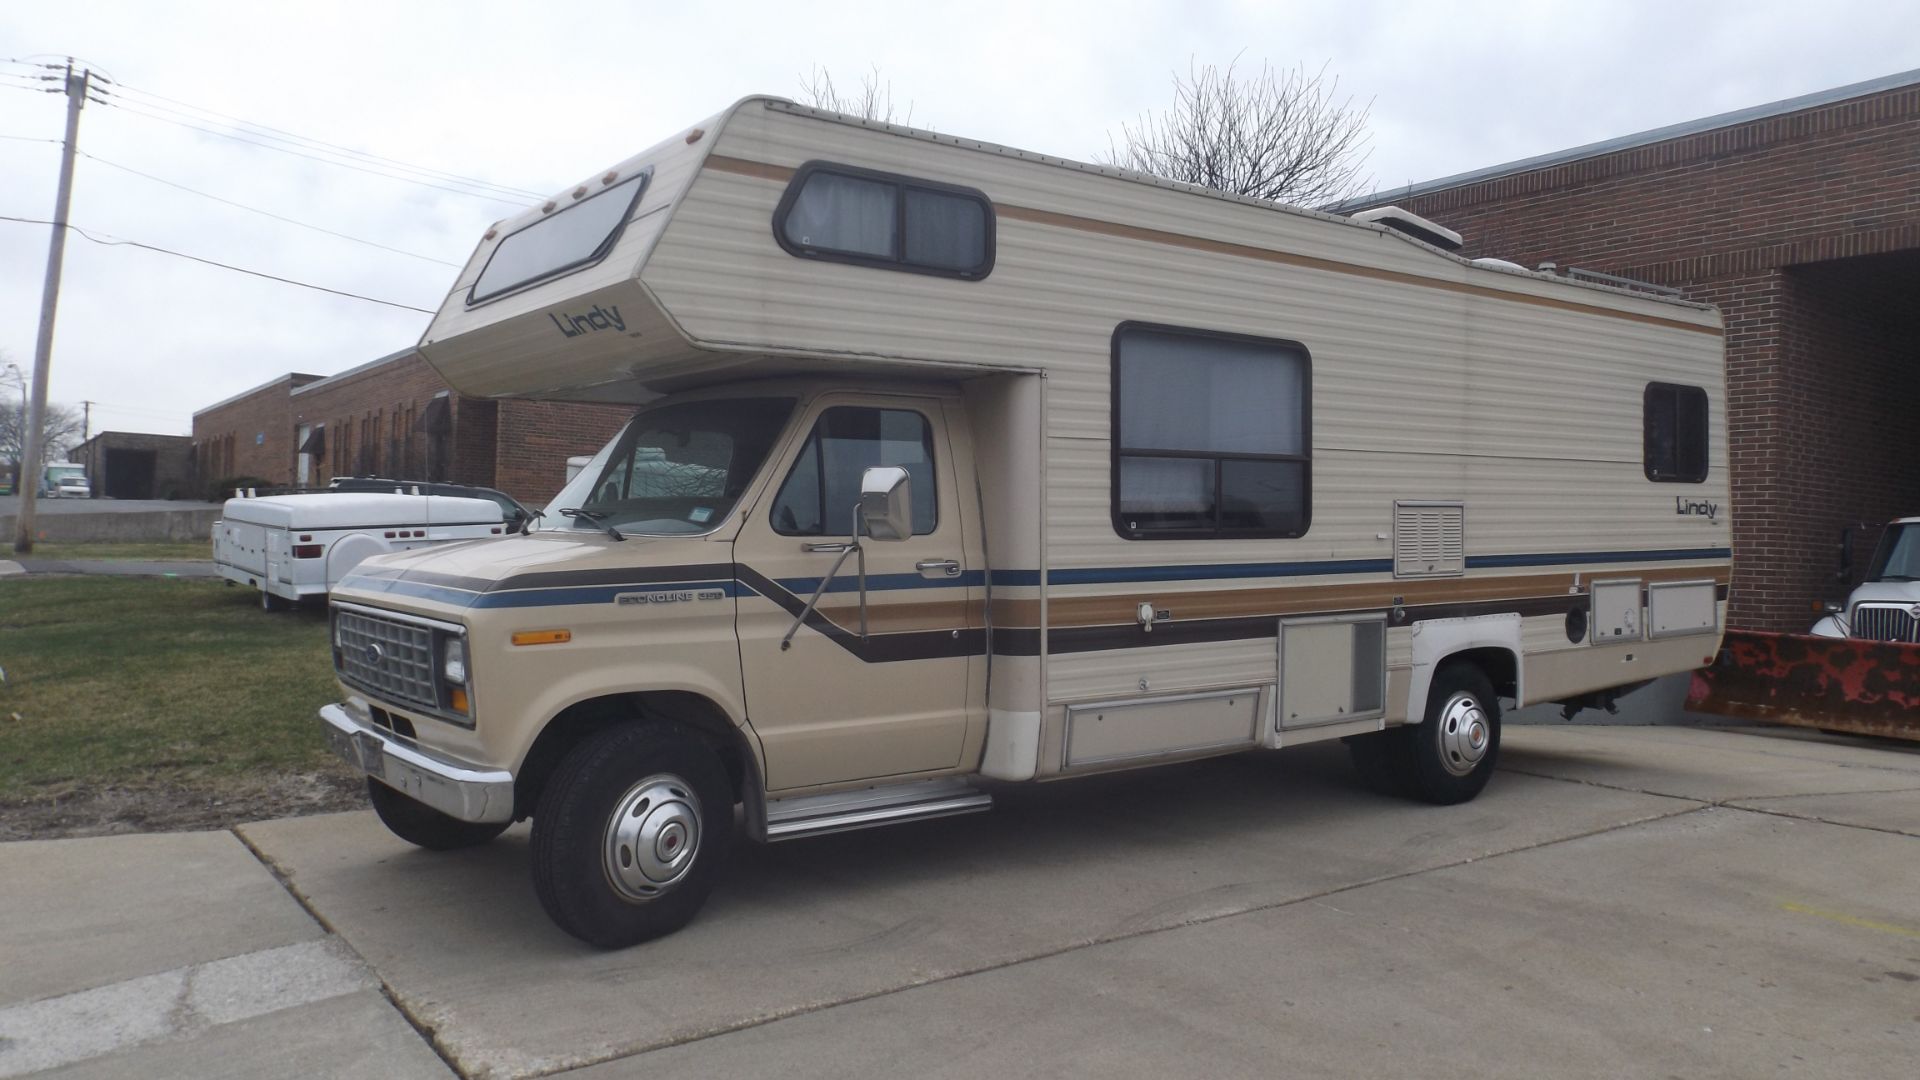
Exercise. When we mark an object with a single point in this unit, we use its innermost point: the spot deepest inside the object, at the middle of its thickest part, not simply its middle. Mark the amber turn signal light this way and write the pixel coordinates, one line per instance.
(542, 637)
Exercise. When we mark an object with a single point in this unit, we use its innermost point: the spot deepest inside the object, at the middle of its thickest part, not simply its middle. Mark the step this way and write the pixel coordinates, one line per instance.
(890, 804)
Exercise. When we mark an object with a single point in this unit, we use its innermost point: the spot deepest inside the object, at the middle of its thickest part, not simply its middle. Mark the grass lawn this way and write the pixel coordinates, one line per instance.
(151, 682)
(154, 550)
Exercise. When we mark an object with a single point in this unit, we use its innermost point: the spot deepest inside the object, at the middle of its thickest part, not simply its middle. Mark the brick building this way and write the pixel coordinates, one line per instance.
(395, 417)
(131, 465)
(1800, 220)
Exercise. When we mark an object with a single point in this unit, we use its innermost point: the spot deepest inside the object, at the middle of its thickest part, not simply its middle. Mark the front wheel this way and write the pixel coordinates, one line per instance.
(629, 834)
(1451, 754)
(423, 826)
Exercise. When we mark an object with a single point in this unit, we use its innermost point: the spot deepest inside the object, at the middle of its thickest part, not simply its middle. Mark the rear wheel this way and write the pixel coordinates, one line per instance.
(423, 826)
(1451, 753)
(270, 602)
(629, 833)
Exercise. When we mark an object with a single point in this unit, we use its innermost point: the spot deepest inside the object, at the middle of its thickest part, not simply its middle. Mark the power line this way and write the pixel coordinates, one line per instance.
(124, 107)
(29, 138)
(307, 139)
(264, 213)
(115, 242)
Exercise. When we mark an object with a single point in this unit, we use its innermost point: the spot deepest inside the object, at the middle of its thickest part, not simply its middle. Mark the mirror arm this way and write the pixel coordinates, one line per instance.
(852, 548)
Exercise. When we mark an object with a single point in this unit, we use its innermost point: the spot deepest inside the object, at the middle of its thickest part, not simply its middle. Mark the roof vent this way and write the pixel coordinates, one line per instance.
(1430, 232)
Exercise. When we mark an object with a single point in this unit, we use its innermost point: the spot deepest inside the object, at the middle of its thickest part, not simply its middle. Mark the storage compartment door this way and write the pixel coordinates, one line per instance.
(1682, 607)
(1332, 670)
(1616, 611)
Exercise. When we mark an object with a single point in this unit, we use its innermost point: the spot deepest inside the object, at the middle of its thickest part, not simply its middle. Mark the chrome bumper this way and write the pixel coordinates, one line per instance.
(454, 788)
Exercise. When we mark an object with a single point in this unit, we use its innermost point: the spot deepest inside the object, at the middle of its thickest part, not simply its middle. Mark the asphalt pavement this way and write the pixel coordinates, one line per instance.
(1624, 901)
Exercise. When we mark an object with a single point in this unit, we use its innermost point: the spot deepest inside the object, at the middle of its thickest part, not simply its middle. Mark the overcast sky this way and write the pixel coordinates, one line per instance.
(536, 96)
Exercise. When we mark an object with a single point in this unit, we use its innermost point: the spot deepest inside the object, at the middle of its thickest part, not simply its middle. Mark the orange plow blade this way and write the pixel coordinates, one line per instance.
(1834, 684)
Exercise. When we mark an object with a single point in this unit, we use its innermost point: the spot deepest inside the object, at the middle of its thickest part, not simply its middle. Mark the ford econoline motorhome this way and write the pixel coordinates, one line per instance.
(954, 464)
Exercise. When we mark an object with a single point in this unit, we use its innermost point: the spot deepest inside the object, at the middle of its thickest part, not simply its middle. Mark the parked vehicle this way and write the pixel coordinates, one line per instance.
(1886, 605)
(292, 547)
(953, 462)
(65, 480)
(510, 508)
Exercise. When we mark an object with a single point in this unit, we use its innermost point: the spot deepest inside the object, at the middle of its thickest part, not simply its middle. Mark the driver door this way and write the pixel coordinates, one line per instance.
(833, 706)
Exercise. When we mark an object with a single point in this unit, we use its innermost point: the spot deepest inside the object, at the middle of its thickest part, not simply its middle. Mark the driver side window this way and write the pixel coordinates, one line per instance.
(821, 491)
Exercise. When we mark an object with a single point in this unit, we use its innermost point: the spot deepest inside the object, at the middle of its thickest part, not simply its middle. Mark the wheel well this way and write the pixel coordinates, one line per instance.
(1499, 666)
(582, 720)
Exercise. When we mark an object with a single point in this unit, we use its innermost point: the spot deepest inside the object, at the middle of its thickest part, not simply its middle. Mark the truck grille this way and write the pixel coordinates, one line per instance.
(1886, 623)
(387, 657)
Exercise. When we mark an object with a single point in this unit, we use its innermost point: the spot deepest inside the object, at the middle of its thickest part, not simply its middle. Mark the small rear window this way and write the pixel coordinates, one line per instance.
(568, 239)
(845, 214)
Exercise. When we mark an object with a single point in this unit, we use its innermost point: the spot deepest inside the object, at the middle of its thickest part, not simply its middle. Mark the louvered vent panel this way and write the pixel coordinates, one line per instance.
(1429, 539)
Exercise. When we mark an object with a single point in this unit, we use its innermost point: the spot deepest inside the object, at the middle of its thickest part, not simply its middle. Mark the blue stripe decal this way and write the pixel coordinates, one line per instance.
(802, 587)
(849, 581)
(598, 594)
(1669, 555)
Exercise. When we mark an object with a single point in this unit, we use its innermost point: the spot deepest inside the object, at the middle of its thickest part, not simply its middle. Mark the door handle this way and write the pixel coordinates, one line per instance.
(938, 568)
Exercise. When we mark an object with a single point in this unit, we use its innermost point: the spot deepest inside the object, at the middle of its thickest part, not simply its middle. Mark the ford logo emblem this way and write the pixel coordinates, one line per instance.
(374, 655)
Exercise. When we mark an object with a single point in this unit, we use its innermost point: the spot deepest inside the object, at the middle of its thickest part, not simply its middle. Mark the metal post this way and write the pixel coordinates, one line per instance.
(30, 464)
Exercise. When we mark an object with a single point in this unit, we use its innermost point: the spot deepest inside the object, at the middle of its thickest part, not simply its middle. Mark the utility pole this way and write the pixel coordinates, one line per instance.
(30, 464)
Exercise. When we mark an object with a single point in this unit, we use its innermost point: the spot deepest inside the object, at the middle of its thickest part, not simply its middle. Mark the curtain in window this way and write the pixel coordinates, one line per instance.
(844, 213)
(1211, 395)
(944, 231)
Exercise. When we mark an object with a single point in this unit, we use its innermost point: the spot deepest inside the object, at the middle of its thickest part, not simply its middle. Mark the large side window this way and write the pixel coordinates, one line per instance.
(1211, 435)
(844, 214)
(577, 235)
(824, 486)
(1675, 419)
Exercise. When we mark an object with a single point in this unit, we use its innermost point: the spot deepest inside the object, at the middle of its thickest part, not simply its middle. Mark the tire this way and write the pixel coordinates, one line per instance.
(423, 826)
(1452, 752)
(1380, 758)
(629, 834)
(270, 602)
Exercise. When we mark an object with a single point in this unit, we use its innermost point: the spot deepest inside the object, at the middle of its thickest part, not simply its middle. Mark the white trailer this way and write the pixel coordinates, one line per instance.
(291, 547)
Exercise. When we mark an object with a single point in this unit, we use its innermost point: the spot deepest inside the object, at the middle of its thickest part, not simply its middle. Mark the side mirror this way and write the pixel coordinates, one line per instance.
(886, 503)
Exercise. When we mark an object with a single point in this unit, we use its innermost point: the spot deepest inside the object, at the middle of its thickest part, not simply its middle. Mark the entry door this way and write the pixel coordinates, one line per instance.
(300, 434)
(834, 706)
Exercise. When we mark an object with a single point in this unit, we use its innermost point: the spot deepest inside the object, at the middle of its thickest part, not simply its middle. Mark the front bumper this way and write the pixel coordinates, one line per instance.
(452, 787)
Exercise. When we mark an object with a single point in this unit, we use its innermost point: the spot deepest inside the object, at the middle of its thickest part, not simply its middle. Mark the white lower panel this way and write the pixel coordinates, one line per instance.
(1126, 730)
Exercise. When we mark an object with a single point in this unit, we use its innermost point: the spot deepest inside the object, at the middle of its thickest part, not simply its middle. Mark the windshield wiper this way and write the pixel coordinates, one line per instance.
(594, 516)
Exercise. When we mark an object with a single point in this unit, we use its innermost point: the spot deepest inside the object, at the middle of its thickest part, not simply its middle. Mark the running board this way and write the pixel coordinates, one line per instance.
(840, 811)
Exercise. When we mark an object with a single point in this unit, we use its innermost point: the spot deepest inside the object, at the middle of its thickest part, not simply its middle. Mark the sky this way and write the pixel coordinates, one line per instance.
(534, 97)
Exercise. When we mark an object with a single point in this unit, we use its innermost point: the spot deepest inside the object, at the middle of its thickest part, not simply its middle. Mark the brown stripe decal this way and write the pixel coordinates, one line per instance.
(782, 174)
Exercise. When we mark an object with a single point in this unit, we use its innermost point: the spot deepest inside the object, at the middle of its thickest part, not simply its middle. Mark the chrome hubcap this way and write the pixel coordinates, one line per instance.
(1465, 734)
(652, 837)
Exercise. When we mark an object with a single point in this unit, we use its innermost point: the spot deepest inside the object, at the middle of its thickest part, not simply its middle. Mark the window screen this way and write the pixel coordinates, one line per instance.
(567, 239)
(1211, 435)
(824, 486)
(1676, 433)
(844, 214)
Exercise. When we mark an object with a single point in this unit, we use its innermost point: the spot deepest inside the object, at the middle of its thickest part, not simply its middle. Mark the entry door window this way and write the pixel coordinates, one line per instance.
(823, 487)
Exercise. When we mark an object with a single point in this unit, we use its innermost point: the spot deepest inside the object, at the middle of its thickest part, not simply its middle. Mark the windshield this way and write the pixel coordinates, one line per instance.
(675, 469)
(60, 473)
(1898, 556)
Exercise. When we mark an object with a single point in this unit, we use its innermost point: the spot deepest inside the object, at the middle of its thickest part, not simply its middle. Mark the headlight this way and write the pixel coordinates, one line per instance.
(454, 666)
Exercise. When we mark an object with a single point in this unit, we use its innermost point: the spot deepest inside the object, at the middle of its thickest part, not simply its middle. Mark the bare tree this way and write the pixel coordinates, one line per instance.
(60, 430)
(872, 101)
(1281, 135)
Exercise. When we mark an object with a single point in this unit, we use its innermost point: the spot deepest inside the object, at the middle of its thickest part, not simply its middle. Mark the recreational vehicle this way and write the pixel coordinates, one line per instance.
(954, 466)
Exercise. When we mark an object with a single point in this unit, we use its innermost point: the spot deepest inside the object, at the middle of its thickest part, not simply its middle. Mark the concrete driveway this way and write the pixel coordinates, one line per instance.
(1621, 901)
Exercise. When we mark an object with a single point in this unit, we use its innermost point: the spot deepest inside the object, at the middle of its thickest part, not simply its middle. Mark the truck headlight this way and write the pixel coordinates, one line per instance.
(454, 666)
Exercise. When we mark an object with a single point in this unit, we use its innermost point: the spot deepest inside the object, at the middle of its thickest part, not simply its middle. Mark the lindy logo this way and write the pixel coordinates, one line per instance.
(1695, 508)
(597, 319)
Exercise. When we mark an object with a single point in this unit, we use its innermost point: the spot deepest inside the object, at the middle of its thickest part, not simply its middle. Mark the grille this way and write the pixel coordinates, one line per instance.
(387, 657)
(1888, 623)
